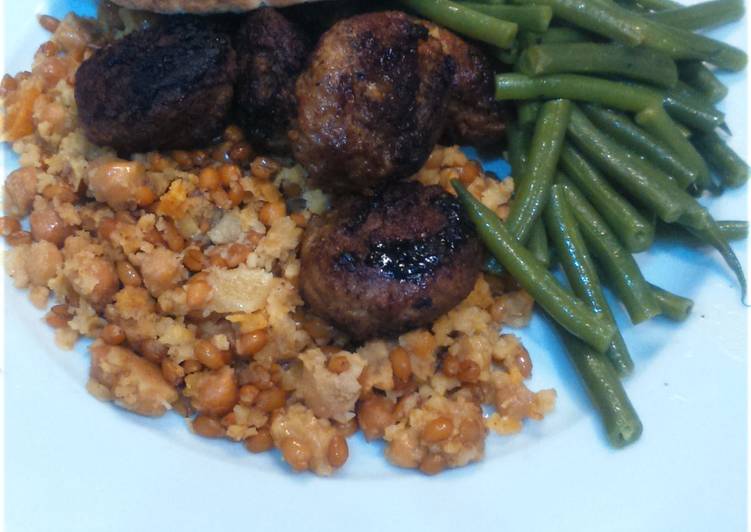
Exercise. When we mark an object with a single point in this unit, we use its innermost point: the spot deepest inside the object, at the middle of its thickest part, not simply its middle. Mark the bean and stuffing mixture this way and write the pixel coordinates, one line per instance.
(184, 267)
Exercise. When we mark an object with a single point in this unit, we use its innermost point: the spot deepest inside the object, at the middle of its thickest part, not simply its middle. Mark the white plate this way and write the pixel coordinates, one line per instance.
(75, 464)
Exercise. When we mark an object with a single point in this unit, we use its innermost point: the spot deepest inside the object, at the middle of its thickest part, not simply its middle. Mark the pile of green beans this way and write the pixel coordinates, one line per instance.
(616, 133)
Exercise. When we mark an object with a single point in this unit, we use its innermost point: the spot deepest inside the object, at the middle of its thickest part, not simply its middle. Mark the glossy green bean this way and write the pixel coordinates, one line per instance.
(554, 36)
(602, 18)
(623, 96)
(581, 273)
(528, 112)
(591, 58)
(690, 108)
(646, 183)
(619, 266)
(533, 18)
(656, 121)
(538, 243)
(633, 229)
(571, 313)
(533, 188)
(673, 306)
(605, 390)
(622, 128)
(733, 229)
(702, 16)
(703, 80)
(657, 5)
(466, 21)
(729, 167)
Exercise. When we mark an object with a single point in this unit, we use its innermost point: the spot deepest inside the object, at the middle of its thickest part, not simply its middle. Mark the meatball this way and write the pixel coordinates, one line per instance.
(271, 53)
(371, 103)
(166, 87)
(394, 261)
(474, 115)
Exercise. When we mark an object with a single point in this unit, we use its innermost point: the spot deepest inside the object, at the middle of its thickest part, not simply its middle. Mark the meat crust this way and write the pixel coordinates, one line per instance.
(381, 265)
(166, 87)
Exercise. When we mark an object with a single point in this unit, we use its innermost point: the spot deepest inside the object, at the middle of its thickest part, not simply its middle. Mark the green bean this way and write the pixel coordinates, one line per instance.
(507, 56)
(533, 18)
(731, 169)
(673, 306)
(690, 108)
(528, 112)
(658, 122)
(733, 229)
(621, 422)
(466, 21)
(658, 5)
(636, 63)
(647, 184)
(702, 80)
(683, 44)
(701, 16)
(571, 313)
(581, 273)
(538, 243)
(554, 36)
(632, 228)
(617, 263)
(532, 189)
(602, 18)
(623, 96)
(622, 128)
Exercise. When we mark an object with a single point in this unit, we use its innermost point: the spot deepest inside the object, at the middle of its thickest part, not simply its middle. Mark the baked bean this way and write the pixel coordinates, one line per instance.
(208, 179)
(432, 464)
(337, 452)
(374, 415)
(9, 225)
(296, 453)
(20, 189)
(260, 442)
(272, 212)
(263, 167)
(112, 334)
(450, 366)
(271, 399)
(400, 363)
(47, 225)
(437, 430)
(43, 262)
(172, 372)
(127, 273)
(248, 394)
(19, 238)
(198, 294)
(214, 392)
(251, 343)
(469, 371)
(115, 182)
(208, 427)
(210, 355)
(194, 259)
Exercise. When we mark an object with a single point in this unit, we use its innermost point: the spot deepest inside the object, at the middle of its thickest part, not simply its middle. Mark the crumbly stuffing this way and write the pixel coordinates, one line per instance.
(184, 268)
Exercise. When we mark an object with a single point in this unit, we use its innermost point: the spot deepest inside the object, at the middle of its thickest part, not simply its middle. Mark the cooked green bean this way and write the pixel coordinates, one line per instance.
(657, 5)
(622, 128)
(528, 112)
(533, 18)
(632, 228)
(690, 108)
(571, 313)
(683, 44)
(605, 390)
(636, 63)
(701, 16)
(730, 168)
(538, 243)
(617, 263)
(646, 183)
(733, 229)
(673, 306)
(534, 186)
(703, 80)
(658, 122)
(581, 272)
(466, 21)
(604, 19)
(623, 96)
(554, 35)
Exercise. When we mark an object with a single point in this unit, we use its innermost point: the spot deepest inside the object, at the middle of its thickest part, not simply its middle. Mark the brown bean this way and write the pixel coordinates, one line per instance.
(296, 453)
(437, 430)
(337, 452)
(260, 442)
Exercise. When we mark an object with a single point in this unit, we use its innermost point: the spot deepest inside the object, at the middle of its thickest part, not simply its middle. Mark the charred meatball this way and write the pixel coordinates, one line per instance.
(474, 115)
(381, 265)
(371, 103)
(166, 87)
(271, 53)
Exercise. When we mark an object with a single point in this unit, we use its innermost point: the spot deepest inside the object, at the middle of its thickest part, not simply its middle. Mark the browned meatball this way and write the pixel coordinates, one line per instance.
(271, 53)
(474, 116)
(384, 264)
(166, 87)
(371, 103)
